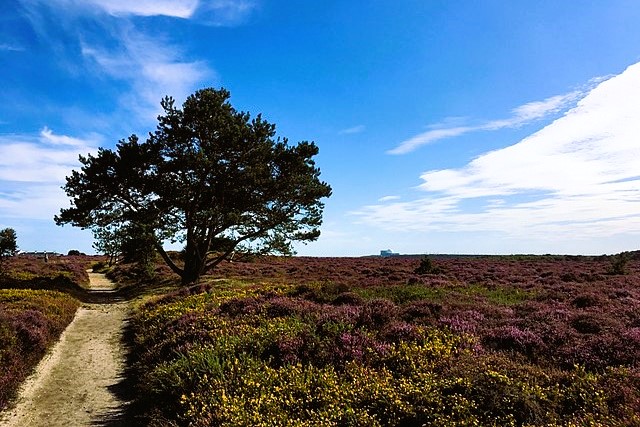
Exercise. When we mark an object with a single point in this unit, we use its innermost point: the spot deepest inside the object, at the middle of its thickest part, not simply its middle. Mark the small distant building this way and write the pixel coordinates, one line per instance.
(39, 254)
(388, 253)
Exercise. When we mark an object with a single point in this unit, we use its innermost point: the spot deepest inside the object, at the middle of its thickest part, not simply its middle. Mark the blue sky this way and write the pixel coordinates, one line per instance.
(492, 127)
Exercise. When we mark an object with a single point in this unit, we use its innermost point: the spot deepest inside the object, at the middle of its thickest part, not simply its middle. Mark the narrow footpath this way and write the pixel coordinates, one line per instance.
(77, 382)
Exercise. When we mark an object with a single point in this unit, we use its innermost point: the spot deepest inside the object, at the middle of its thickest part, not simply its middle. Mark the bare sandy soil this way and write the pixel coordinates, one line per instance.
(77, 383)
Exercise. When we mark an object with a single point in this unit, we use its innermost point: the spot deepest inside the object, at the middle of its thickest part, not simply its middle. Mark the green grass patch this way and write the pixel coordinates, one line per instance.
(405, 293)
(501, 295)
(402, 294)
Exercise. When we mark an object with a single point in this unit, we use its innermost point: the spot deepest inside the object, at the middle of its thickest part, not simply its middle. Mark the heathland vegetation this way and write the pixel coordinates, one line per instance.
(32, 314)
(537, 341)
(294, 341)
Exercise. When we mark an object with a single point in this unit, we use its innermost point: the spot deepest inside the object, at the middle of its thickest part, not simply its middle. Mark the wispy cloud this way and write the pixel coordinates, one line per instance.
(428, 137)
(224, 12)
(48, 137)
(173, 8)
(213, 12)
(578, 177)
(388, 198)
(44, 158)
(352, 130)
(10, 47)
(143, 68)
(209, 12)
(33, 168)
(152, 69)
(521, 115)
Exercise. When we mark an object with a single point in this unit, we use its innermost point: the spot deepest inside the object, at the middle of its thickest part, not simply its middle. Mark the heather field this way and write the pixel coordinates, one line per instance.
(64, 273)
(33, 314)
(30, 322)
(453, 341)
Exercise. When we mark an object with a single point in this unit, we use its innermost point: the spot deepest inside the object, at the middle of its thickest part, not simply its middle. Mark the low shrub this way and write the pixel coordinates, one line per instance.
(619, 263)
(427, 267)
(494, 342)
(513, 339)
(30, 322)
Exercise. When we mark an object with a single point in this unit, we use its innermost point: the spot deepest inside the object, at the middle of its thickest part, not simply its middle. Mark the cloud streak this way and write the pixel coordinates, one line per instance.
(10, 48)
(519, 116)
(210, 12)
(214, 12)
(579, 177)
(352, 130)
(151, 68)
(32, 170)
(388, 198)
(224, 13)
(142, 68)
(172, 8)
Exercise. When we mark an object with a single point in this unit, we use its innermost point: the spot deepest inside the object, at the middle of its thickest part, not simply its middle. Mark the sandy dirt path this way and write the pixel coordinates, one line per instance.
(76, 383)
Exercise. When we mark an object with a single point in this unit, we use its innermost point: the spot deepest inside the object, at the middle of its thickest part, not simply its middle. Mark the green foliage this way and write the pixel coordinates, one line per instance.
(138, 246)
(131, 242)
(8, 245)
(427, 267)
(209, 176)
(108, 241)
(619, 263)
(100, 267)
(8, 242)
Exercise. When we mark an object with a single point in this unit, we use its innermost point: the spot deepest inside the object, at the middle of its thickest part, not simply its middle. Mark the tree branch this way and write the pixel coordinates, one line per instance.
(168, 259)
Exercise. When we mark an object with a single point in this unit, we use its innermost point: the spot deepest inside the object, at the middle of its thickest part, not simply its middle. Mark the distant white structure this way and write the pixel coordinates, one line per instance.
(388, 252)
(39, 254)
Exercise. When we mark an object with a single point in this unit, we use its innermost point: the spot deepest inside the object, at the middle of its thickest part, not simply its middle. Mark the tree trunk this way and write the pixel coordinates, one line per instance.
(193, 263)
(190, 276)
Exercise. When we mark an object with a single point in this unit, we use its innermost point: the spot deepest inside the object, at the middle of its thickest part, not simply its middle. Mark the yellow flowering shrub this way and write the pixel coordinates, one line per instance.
(259, 355)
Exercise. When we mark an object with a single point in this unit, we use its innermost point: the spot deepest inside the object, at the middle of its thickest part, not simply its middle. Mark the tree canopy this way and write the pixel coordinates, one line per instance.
(210, 177)
(8, 242)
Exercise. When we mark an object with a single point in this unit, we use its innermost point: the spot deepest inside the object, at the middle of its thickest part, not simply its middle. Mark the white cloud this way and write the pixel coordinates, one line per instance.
(152, 68)
(33, 202)
(579, 177)
(211, 12)
(519, 116)
(388, 198)
(535, 110)
(352, 130)
(32, 170)
(224, 12)
(10, 47)
(428, 137)
(44, 159)
(173, 8)
(47, 136)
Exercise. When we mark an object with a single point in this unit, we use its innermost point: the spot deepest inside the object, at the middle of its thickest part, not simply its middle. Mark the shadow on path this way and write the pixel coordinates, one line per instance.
(104, 291)
(124, 390)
